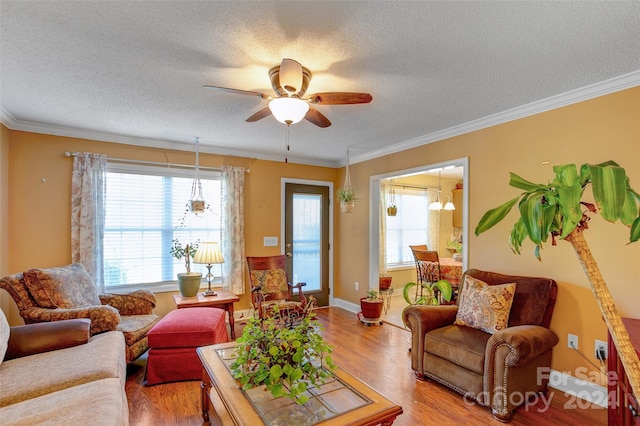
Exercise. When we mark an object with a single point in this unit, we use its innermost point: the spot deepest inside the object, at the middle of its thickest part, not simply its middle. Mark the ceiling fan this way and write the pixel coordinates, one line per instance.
(290, 81)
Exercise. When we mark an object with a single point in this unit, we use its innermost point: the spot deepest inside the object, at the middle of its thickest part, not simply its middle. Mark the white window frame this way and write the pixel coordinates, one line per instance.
(170, 171)
(409, 263)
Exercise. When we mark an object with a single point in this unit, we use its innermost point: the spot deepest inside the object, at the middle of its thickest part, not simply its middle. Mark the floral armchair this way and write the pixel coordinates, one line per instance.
(67, 292)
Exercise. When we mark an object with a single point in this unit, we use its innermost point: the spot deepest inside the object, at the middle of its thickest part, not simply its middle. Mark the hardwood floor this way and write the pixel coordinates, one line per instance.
(377, 355)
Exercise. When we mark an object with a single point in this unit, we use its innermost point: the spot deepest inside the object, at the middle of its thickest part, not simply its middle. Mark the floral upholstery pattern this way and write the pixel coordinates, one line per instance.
(132, 313)
(62, 287)
(139, 302)
(483, 306)
(270, 280)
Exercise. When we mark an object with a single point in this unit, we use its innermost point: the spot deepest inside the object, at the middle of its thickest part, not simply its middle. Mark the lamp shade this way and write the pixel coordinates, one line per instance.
(449, 205)
(208, 253)
(288, 110)
(436, 205)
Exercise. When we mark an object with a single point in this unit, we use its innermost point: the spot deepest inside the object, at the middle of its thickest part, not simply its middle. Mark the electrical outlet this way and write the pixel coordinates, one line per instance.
(357, 286)
(572, 341)
(601, 350)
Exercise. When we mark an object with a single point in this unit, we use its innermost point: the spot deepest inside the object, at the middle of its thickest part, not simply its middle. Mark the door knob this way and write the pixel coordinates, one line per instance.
(289, 254)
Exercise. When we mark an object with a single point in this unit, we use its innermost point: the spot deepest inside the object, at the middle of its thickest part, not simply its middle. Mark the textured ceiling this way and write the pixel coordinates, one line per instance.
(133, 72)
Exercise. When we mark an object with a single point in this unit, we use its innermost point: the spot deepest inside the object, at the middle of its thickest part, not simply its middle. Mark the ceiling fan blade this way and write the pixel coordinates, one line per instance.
(314, 116)
(264, 112)
(340, 98)
(290, 75)
(237, 91)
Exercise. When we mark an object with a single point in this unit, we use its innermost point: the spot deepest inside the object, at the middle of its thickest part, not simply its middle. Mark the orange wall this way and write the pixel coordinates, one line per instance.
(4, 210)
(40, 198)
(605, 128)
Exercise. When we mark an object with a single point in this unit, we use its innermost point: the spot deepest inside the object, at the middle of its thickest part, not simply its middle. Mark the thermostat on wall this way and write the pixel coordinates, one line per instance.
(270, 241)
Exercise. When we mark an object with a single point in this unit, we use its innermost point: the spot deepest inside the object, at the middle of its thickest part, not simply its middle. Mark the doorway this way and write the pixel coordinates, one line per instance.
(307, 241)
(375, 256)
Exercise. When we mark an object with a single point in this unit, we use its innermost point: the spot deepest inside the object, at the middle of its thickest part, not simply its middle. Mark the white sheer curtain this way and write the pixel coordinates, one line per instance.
(382, 258)
(233, 228)
(433, 222)
(88, 181)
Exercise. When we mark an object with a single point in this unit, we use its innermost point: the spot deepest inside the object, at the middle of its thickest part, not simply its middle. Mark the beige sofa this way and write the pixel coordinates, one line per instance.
(57, 374)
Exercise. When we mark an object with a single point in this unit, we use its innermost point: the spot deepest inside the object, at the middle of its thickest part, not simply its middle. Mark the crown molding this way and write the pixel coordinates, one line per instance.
(616, 84)
(9, 121)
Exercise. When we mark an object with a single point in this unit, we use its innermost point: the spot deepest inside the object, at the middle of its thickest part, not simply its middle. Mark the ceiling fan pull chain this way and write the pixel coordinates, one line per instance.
(286, 141)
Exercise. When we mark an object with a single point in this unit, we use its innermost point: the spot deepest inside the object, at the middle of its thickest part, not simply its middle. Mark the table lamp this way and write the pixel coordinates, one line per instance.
(208, 253)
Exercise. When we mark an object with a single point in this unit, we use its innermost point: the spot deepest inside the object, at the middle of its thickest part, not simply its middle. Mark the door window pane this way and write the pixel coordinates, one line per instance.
(307, 212)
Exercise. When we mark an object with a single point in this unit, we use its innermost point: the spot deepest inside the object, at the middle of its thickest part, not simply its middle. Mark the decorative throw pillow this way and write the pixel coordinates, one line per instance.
(485, 306)
(271, 280)
(62, 287)
(4, 335)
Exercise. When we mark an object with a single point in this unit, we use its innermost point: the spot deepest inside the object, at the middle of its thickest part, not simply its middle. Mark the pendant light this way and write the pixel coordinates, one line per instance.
(437, 205)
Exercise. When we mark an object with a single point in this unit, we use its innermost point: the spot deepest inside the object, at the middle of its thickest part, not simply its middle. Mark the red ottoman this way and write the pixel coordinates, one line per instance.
(173, 342)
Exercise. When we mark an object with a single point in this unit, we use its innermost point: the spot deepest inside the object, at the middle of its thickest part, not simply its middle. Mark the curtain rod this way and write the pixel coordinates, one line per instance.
(426, 188)
(154, 163)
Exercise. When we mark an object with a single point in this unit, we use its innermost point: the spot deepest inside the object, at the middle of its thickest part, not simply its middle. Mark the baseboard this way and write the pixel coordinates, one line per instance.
(579, 388)
(349, 306)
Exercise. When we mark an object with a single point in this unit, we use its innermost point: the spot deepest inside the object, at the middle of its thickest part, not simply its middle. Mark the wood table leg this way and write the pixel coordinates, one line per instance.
(232, 321)
(205, 402)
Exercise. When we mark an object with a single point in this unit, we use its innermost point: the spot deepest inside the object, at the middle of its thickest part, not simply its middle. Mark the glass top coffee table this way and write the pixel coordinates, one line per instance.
(343, 399)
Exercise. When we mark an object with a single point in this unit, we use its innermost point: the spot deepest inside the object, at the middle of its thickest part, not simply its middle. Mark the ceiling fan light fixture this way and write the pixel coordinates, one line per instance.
(290, 76)
(288, 110)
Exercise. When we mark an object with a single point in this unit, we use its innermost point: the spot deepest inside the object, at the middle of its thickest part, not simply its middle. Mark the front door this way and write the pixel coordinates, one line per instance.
(306, 238)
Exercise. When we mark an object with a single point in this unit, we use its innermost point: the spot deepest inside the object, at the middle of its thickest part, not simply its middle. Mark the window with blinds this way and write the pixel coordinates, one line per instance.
(146, 209)
(410, 226)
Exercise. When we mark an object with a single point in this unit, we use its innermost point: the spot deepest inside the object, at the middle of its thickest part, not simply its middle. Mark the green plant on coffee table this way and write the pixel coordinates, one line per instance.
(286, 360)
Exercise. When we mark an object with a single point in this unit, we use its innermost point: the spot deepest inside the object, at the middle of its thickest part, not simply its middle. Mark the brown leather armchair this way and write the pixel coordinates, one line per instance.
(499, 370)
(67, 292)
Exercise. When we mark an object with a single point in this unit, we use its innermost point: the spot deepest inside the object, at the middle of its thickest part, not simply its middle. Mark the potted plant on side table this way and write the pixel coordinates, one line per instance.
(189, 282)
(384, 281)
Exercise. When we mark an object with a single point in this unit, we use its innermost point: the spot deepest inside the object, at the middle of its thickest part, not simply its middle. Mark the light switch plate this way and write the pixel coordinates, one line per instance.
(270, 241)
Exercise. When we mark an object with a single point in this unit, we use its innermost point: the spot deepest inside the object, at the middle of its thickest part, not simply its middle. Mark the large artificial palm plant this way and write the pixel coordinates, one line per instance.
(556, 210)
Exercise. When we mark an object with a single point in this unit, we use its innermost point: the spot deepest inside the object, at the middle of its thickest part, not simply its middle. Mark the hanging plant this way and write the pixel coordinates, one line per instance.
(345, 195)
(392, 209)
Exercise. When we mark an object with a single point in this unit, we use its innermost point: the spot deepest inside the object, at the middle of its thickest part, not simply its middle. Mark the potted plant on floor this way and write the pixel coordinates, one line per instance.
(287, 360)
(189, 282)
(556, 210)
(426, 293)
(371, 307)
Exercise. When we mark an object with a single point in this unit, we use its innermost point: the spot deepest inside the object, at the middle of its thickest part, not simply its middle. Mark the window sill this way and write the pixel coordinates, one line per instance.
(401, 268)
(162, 287)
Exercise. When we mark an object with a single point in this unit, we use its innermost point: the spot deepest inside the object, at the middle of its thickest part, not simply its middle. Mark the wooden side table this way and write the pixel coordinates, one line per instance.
(223, 299)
